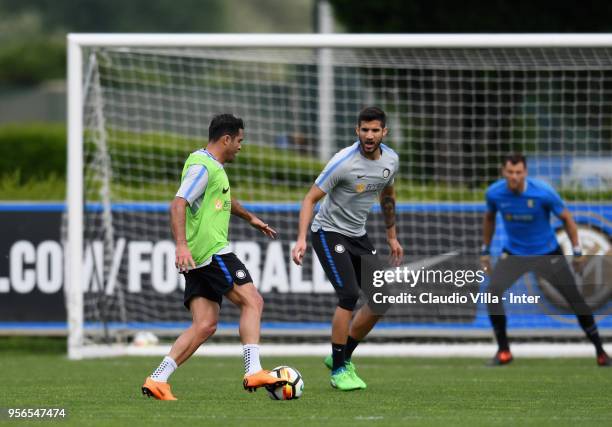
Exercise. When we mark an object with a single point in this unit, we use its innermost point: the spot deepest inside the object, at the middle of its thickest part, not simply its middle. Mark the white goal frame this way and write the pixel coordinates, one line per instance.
(75, 100)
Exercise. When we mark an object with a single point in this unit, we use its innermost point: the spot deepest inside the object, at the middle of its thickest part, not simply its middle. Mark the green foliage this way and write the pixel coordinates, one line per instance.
(13, 187)
(478, 16)
(27, 61)
(419, 192)
(135, 157)
(121, 16)
(147, 167)
(33, 151)
(32, 32)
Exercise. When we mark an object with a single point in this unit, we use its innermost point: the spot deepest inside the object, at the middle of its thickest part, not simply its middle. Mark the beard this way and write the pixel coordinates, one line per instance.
(232, 157)
(369, 148)
(515, 186)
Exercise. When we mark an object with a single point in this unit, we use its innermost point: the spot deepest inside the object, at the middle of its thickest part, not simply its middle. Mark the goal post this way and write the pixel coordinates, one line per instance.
(138, 104)
(74, 201)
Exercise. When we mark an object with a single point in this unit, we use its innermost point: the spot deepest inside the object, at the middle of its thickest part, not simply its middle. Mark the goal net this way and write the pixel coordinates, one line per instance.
(139, 105)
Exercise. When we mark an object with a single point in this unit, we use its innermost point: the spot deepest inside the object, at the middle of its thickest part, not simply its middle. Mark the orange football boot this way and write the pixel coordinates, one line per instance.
(502, 357)
(261, 379)
(604, 360)
(157, 389)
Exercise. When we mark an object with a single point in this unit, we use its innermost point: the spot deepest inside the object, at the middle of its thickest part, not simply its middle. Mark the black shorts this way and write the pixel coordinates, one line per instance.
(341, 258)
(552, 267)
(215, 279)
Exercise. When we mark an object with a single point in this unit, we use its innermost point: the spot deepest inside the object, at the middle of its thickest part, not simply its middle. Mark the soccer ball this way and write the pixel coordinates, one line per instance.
(144, 339)
(292, 390)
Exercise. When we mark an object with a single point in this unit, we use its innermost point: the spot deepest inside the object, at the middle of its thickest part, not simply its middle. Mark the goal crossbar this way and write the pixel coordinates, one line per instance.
(345, 40)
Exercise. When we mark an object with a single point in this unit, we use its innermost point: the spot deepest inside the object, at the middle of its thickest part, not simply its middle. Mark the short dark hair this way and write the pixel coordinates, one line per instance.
(224, 124)
(515, 159)
(372, 113)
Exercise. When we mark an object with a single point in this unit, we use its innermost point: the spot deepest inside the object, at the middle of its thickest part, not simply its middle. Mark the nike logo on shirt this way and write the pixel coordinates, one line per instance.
(225, 190)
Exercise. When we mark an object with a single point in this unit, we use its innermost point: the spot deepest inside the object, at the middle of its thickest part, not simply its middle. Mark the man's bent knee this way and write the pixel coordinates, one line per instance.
(205, 329)
(256, 301)
(260, 301)
(348, 302)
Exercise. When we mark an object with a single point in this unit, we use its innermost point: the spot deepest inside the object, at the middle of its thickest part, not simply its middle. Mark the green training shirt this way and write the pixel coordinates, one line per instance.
(207, 225)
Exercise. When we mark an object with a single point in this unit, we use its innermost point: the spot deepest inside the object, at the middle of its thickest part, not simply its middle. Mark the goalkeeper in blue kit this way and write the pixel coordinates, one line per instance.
(525, 205)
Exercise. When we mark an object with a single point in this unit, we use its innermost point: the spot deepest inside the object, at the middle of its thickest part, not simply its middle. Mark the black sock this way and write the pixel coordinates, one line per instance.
(590, 329)
(338, 356)
(351, 344)
(499, 328)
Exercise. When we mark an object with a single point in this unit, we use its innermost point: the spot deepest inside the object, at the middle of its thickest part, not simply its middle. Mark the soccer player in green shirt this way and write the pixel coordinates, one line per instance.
(200, 215)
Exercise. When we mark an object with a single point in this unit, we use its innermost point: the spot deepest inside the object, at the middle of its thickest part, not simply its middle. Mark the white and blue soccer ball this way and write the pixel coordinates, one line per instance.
(294, 387)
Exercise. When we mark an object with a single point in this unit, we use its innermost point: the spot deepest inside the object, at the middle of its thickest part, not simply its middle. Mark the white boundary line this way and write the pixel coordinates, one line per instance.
(372, 350)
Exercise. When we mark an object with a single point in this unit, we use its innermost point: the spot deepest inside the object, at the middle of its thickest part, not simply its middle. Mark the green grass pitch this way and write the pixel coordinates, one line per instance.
(401, 391)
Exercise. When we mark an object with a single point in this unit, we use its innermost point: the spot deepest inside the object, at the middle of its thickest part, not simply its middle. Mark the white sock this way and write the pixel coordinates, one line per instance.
(251, 358)
(164, 370)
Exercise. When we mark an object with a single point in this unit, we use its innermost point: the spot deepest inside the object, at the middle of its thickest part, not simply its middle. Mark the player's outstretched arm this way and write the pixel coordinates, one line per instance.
(387, 204)
(572, 232)
(488, 228)
(570, 227)
(310, 200)
(183, 259)
(240, 211)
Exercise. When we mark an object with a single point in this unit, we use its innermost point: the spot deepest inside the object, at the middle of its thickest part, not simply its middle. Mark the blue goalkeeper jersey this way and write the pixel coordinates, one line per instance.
(526, 216)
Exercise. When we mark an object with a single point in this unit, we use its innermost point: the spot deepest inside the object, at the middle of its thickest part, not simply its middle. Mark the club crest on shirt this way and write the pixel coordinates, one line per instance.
(360, 188)
(218, 204)
(339, 248)
(240, 274)
(386, 173)
(530, 203)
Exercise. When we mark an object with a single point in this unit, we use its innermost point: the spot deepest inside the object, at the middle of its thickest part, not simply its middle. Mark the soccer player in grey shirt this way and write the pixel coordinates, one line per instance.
(353, 180)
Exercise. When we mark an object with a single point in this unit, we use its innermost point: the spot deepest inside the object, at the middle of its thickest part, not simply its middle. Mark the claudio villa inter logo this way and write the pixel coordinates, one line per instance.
(339, 248)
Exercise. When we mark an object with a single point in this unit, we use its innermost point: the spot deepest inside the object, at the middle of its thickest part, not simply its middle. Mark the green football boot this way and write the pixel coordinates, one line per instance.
(329, 362)
(343, 380)
(350, 366)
